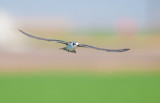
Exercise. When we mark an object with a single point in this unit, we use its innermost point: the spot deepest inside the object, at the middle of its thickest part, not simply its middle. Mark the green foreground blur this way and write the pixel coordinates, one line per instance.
(80, 87)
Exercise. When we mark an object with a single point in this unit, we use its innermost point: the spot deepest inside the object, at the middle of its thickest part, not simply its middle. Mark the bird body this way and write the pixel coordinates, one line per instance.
(71, 46)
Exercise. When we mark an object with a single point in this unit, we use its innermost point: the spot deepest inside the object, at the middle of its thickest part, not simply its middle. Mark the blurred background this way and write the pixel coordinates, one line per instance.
(37, 71)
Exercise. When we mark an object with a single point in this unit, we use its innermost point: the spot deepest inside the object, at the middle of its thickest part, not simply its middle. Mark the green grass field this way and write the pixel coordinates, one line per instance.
(80, 88)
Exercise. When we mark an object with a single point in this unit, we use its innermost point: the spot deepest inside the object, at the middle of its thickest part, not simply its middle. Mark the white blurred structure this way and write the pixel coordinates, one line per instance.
(10, 39)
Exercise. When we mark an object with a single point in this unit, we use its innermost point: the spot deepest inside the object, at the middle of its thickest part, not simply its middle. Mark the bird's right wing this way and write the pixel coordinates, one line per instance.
(40, 38)
(107, 50)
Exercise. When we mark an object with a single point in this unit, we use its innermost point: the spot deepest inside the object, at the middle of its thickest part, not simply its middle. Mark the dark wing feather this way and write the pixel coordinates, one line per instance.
(59, 41)
(107, 50)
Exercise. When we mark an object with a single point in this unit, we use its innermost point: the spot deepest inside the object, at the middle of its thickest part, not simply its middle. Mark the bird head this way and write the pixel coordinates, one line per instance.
(74, 44)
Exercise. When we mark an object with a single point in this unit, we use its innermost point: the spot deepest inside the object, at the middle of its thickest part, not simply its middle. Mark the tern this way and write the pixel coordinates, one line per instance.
(71, 46)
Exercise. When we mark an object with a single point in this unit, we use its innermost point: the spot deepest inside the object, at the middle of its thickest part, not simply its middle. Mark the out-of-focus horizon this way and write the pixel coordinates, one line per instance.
(106, 23)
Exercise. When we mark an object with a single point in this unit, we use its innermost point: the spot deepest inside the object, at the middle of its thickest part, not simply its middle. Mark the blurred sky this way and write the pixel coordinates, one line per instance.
(99, 12)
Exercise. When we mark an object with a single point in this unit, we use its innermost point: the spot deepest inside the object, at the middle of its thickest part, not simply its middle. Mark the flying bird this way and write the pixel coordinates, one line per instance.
(71, 46)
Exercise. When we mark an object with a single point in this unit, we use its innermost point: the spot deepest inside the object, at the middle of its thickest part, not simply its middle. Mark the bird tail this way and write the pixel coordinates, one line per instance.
(64, 48)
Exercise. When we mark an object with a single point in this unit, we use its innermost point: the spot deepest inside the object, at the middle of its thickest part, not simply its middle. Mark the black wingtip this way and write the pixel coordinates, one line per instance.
(126, 49)
(20, 30)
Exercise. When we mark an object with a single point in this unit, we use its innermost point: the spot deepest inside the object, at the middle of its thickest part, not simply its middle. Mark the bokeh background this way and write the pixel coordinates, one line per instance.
(33, 71)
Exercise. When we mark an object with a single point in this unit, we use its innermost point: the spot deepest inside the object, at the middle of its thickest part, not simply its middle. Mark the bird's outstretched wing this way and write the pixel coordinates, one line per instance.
(40, 38)
(107, 50)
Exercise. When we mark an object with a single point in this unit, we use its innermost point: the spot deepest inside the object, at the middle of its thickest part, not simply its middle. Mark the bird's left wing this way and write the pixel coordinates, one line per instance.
(40, 38)
(107, 50)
